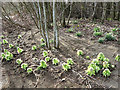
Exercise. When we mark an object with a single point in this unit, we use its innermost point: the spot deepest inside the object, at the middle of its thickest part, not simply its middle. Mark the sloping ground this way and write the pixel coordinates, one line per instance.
(54, 76)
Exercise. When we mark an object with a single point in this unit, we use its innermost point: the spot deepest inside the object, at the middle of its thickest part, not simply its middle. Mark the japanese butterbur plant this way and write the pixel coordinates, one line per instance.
(43, 64)
(66, 66)
(105, 64)
(106, 72)
(106, 59)
(45, 53)
(101, 40)
(5, 41)
(24, 66)
(96, 29)
(34, 47)
(70, 61)
(3, 56)
(100, 56)
(97, 33)
(79, 34)
(42, 45)
(109, 37)
(29, 70)
(117, 58)
(47, 59)
(19, 61)
(96, 61)
(11, 45)
(90, 71)
(55, 61)
(79, 52)
(19, 50)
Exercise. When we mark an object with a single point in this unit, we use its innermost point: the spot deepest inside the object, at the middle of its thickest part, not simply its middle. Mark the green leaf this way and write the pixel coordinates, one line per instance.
(24, 66)
(19, 61)
(70, 61)
(55, 61)
(66, 66)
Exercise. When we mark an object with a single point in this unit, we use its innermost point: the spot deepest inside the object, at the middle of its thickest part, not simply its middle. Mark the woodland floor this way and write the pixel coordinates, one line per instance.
(54, 77)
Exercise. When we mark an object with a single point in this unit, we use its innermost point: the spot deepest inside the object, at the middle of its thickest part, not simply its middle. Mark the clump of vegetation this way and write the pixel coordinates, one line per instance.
(47, 59)
(79, 34)
(96, 61)
(105, 64)
(43, 64)
(42, 40)
(88, 57)
(19, 50)
(80, 52)
(96, 29)
(106, 72)
(109, 37)
(106, 59)
(19, 36)
(5, 41)
(42, 45)
(70, 30)
(29, 70)
(90, 71)
(70, 61)
(117, 58)
(24, 66)
(101, 40)
(45, 53)
(8, 56)
(114, 31)
(66, 66)
(34, 47)
(11, 45)
(19, 61)
(3, 56)
(100, 56)
(97, 33)
(55, 61)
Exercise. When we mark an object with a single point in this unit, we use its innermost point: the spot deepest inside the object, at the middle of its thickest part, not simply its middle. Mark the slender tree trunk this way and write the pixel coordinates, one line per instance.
(94, 10)
(104, 12)
(63, 15)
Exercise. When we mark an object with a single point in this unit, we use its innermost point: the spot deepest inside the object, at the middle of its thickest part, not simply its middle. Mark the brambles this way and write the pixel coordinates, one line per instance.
(42, 40)
(105, 64)
(70, 61)
(96, 29)
(109, 37)
(47, 59)
(101, 40)
(19, 61)
(106, 72)
(34, 47)
(70, 30)
(24, 66)
(79, 52)
(100, 56)
(66, 66)
(11, 45)
(19, 50)
(79, 34)
(97, 33)
(29, 70)
(87, 57)
(45, 53)
(117, 58)
(55, 61)
(19, 36)
(42, 64)
(5, 41)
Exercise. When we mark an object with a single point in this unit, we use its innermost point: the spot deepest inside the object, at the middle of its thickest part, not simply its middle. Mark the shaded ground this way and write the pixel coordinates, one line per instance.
(54, 76)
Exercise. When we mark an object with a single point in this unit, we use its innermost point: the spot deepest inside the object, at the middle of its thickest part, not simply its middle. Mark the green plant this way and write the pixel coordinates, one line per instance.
(3, 56)
(42, 45)
(45, 53)
(47, 59)
(8, 56)
(5, 50)
(11, 45)
(2, 36)
(106, 59)
(0, 43)
(106, 72)
(79, 34)
(70, 61)
(96, 29)
(109, 37)
(90, 71)
(87, 57)
(97, 33)
(79, 52)
(105, 64)
(101, 40)
(117, 58)
(34, 47)
(19, 61)
(24, 66)
(43, 64)
(5, 41)
(29, 70)
(55, 61)
(70, 30)
(100, 56)
(42, 40)
(66, 66)
(96, 61)
(19, 36)
(19, 50)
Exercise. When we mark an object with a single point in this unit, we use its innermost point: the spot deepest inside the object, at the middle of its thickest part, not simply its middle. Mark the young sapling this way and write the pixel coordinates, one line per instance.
(34, 47)
(24, 66)
(66, 66)
(19, 61)
(19, 50)
(29, 70)
(45, 53)
(117, 58)
(106, 72)
(55, 61)
(47, 59)
(70, 61)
